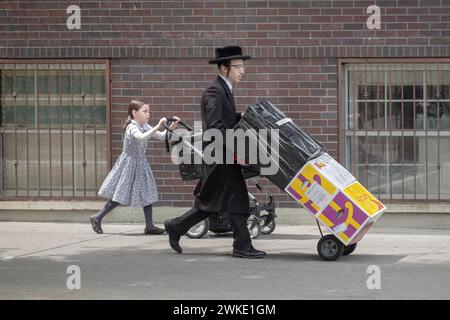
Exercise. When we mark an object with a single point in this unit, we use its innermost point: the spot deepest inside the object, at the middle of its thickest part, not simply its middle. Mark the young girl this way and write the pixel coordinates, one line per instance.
(131, 182)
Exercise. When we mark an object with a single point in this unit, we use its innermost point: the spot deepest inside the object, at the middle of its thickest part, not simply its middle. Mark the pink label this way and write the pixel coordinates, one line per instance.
(348, 211)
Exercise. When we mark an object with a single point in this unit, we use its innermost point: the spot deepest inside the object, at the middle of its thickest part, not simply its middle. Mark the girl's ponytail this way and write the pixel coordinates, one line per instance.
(126, 123)
(135, 104)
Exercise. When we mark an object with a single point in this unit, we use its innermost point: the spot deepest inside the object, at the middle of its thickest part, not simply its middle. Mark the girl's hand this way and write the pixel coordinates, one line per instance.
(161, 121)
(174, 125)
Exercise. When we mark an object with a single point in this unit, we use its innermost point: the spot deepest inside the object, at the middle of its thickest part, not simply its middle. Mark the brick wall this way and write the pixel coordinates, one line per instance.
(159, 49)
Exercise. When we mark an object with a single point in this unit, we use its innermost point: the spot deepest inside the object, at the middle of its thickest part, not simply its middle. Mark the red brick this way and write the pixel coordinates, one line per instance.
(161, 50)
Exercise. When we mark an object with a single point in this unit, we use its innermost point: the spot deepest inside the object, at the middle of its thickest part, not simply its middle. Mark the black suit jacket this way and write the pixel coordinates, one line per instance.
(222, 187)
(218, 108)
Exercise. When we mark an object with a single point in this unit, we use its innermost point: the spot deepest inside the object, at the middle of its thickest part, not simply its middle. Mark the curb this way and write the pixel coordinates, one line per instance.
(285, 216)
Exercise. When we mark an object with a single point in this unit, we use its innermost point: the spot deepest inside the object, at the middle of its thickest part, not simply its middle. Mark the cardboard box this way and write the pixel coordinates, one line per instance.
(334, 197)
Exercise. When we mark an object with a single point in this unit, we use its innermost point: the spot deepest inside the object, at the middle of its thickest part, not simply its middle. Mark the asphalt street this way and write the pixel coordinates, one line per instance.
(70, 261)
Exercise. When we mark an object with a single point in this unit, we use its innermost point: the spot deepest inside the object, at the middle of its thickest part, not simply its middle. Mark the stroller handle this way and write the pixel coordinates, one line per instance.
(170, 132)
(172, 120)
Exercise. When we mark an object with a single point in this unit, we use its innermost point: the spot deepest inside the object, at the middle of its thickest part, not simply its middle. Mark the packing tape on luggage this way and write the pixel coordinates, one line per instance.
(283, 121)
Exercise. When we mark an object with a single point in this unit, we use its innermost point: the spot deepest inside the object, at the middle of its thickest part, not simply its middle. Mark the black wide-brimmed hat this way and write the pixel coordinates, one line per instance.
(228, 53)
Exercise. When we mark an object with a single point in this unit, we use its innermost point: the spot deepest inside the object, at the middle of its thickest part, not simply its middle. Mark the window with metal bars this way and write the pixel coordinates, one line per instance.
(54, 128)
(396, 128)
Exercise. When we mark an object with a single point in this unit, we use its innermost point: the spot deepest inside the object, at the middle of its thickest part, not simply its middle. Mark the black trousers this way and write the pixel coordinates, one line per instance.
(238, 223)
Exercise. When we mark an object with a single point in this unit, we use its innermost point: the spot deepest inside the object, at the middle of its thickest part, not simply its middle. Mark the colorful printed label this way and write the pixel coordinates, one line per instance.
(333, 170)
(363, 198)
(332, 194)
(311, 189)
(343, 217)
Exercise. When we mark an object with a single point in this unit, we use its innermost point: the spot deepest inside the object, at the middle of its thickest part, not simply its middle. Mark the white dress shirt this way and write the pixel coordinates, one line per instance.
(227, 82)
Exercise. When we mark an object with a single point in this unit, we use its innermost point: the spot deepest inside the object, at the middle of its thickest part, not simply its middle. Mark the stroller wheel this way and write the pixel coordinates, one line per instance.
(199, 230)
(254, 228)
(267, 228)
(330, 248)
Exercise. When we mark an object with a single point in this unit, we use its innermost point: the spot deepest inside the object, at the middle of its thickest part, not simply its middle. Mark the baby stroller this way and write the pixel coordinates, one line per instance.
(262, 214)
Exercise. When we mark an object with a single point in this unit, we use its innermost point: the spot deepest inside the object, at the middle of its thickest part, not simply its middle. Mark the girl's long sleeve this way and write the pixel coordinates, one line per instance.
(152, 132)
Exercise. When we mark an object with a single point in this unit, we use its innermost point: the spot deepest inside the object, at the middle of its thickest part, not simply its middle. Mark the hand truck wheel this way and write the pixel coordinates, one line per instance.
(330, 248)
(349, 249)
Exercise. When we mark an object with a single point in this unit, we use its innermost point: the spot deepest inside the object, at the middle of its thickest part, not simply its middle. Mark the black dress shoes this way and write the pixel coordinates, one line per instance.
(250, 253)
(96, 225)
(174, 236)
(154, 230)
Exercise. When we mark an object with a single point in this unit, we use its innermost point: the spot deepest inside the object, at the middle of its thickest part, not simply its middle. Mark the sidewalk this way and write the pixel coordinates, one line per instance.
(125, 264)
(398, 217)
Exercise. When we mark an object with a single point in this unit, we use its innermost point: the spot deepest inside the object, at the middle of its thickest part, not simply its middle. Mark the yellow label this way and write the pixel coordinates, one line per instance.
(350, 220)
(311, 189)
(312, 175)
(362, 197)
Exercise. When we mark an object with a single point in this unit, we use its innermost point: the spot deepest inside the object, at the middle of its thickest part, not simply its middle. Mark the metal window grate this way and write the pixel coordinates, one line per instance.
(55, 136)
(395, 127)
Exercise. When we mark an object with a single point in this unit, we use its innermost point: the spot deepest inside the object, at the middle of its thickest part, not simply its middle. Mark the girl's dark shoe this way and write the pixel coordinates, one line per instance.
(96, 226)
(154, 230)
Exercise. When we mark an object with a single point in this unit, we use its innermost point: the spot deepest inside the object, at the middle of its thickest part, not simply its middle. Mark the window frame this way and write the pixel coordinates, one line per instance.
(108, 125)
(342, 96)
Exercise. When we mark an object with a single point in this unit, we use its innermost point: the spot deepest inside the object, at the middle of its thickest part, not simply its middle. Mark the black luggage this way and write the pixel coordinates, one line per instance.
(296, 147)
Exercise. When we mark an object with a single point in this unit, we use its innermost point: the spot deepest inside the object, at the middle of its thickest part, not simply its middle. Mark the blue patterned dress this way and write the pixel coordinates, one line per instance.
(131, 181)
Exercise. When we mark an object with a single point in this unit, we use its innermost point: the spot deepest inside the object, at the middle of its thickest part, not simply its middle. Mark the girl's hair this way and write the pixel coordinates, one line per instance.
(135, 104)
